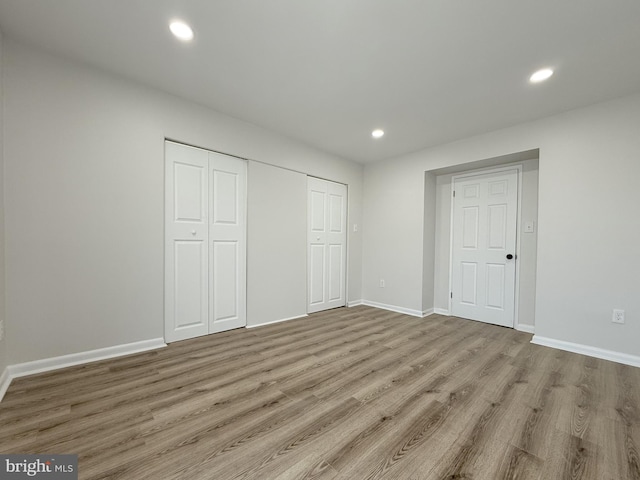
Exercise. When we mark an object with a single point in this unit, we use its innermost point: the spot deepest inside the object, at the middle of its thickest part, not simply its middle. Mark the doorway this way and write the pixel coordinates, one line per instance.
(437, 233)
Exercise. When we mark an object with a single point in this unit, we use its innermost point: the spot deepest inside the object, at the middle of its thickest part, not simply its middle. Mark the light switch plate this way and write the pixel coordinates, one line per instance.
(530, 227)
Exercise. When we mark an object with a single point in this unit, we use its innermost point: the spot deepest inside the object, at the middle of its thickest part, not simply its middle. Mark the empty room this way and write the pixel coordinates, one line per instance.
(352, 239)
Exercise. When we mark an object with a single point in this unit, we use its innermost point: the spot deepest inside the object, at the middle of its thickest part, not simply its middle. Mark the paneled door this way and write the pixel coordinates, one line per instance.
(205, 242)
(327, 244)
(484, 247)
(227, 259)
(186, 299)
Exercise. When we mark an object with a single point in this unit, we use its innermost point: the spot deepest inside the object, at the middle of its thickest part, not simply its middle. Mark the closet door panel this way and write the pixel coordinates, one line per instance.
(186, 239)
(227, 267)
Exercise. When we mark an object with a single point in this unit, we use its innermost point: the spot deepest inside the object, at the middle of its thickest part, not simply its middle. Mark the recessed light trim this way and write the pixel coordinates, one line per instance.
(377, 133)
(181, 30)
(541, 75)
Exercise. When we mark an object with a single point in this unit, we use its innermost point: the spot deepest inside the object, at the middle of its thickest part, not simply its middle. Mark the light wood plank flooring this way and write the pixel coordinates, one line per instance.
(354, 393)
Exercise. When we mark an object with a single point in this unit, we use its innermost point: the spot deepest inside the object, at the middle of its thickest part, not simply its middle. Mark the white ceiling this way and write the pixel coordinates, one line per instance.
(327, 72)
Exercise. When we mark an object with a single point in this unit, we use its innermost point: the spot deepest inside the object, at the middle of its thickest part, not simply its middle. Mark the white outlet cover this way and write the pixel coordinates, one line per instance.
(618, 316)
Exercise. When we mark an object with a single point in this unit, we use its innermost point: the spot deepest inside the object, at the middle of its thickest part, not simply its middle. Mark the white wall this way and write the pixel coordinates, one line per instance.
(276, 243)
(528, 258)
(527, 242)
(429, 235)
(588, 230)
(84, 200)
(441, 267)
(392, 246)
(3, 340)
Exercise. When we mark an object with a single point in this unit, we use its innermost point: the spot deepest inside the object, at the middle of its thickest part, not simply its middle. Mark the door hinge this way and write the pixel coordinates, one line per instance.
(451, 294)
(454, 194)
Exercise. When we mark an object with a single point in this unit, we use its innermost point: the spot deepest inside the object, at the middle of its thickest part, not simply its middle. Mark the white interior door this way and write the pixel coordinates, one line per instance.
(484, 247)
(205, 242)
(186, 238)
(327, 244)
(227, 254)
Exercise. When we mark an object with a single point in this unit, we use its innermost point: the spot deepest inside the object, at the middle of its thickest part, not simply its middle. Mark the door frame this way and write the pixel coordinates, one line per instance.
(488, 171)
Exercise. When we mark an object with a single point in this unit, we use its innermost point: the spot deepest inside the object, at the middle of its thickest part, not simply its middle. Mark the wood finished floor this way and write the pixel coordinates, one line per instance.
(354, 393)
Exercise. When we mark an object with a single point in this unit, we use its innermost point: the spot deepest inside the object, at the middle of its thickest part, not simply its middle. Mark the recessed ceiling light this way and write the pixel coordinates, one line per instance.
(181, 30)
(541, 75)
(377, 133)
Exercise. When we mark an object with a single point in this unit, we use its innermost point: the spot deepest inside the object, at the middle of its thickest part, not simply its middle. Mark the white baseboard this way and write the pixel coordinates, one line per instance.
(618, 357)
(442, 311)
(393, 308)
(525, 328)
(47, 364)
(427, 312)
(355, 303)
(5, 381)
(276, 321)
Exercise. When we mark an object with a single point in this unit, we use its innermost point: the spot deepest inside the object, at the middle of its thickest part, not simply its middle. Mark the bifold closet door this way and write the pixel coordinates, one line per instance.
(327, 244)
(205, 242)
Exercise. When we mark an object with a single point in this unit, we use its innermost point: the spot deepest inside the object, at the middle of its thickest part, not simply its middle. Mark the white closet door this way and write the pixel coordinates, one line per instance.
(327, 244)
(227, 252)
(186, 238)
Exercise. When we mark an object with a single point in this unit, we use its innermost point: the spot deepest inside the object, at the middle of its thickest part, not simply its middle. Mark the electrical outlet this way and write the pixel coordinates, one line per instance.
(618, 316)
(381, 283)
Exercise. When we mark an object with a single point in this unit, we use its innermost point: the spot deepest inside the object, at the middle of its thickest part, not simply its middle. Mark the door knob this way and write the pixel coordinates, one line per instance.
(193, 232)
(509, 256)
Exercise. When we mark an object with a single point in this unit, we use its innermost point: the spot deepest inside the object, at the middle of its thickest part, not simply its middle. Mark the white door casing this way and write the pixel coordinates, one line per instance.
(327, 244)
(186, 238)
(227, 254)
(205, 242)
(484, 227)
